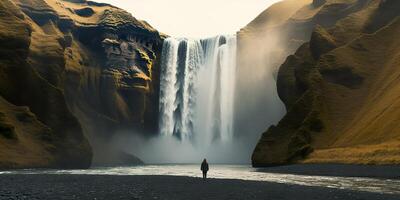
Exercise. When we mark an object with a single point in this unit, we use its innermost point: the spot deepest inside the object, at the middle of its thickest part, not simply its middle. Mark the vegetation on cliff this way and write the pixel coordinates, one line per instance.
(339, 88)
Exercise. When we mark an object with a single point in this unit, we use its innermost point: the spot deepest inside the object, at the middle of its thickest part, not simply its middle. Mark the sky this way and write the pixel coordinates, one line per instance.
(194, 18)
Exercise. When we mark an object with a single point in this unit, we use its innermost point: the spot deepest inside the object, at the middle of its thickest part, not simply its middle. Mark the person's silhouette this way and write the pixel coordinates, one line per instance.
(204, 168)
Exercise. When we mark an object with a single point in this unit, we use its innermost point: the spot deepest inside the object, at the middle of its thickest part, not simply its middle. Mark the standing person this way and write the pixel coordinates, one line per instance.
(204, 168)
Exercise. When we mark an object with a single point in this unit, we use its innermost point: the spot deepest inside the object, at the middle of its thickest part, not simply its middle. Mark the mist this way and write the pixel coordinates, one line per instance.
(167, 150)
(226, 120)
(257, 106)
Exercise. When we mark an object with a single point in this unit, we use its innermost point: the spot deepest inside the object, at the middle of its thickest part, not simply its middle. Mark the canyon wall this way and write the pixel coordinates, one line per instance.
(75, 73)
(339, 87)
(72, 70)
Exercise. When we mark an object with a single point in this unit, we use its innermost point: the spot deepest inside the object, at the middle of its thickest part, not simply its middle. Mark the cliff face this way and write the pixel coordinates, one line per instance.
(111, 67)
(42, 133)
(72, 68)
(340, 88)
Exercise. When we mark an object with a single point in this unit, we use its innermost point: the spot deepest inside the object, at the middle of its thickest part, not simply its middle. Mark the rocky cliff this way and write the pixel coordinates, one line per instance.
(340, 87)
(37, 129)
(71, 70)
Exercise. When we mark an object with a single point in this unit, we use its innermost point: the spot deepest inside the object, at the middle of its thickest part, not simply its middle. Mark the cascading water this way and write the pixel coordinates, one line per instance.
(197, 89)
(210, 106)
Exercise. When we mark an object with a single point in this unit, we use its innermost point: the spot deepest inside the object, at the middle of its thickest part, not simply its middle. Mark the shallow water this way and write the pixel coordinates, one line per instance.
(241, 172)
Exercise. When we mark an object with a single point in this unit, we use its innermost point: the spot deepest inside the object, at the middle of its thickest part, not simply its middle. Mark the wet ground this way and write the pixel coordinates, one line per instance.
(340, 170)
(109, 187)
(176, 182)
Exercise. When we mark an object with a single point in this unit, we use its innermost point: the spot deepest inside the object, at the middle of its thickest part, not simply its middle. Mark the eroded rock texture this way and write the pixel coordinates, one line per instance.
(80, 68)
(38, 130)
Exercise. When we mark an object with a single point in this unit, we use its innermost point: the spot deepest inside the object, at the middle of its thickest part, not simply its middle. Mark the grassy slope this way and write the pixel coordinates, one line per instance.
(362, 124)
(340, 90)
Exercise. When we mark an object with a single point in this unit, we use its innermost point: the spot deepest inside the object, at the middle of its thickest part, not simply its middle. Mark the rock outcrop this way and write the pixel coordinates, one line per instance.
(38, 130)
(339, 88)
(79, 69)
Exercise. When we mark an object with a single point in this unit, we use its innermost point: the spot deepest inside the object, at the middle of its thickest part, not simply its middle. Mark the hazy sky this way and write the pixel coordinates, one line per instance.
(194, 18)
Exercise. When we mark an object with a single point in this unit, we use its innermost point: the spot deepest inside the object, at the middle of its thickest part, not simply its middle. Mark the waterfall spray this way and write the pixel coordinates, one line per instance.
(197, 89)
(206, 108)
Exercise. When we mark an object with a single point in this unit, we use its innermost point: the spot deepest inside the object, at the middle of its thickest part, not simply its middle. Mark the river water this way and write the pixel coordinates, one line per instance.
(241, 172)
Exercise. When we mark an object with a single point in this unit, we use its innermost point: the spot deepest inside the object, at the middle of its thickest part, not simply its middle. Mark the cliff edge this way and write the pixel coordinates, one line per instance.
(339, 88)
(72, 70)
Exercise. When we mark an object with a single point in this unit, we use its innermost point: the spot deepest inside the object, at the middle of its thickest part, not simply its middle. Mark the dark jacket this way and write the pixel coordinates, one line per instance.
(204, 166)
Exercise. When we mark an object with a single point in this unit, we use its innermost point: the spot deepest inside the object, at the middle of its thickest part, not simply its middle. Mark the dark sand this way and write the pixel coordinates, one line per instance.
(164, 187)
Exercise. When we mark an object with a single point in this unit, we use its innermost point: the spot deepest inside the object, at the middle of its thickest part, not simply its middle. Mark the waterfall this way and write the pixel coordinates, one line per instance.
(197, 88)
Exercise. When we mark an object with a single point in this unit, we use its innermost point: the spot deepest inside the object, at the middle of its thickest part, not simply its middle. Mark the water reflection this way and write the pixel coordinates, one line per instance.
(242, 172)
